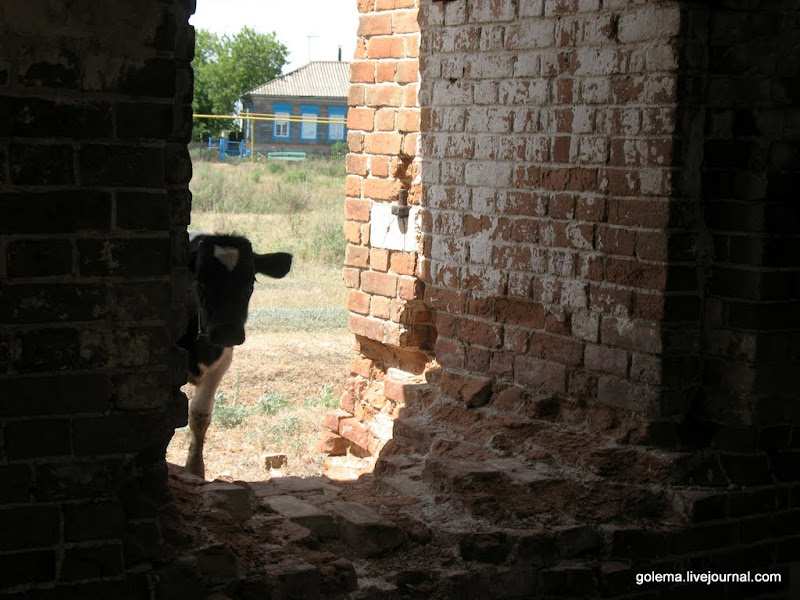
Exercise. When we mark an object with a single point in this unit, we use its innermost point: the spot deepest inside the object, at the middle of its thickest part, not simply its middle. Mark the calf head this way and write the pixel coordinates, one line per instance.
(224, 269)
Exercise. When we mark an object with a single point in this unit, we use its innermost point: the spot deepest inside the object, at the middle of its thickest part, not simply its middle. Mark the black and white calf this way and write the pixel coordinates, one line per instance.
(224, 269)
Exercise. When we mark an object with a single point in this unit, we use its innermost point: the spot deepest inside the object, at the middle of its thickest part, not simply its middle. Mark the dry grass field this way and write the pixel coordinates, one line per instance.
(292, 366)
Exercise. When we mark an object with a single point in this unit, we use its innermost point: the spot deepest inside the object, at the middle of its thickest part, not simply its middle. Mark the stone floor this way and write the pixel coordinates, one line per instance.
(372, 538)
(518, 508)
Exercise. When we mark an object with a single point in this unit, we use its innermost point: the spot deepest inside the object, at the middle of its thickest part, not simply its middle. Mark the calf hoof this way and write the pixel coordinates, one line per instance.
(195, 466)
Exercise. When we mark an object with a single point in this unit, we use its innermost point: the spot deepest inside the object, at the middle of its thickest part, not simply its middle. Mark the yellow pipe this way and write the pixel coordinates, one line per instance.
(291, 119)
(294, 119)
(252, 117)
(343, 118)
(214, 116)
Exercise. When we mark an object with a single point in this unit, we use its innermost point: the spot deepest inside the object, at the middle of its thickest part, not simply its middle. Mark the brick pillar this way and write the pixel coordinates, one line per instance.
(95, 114)
(386, 262)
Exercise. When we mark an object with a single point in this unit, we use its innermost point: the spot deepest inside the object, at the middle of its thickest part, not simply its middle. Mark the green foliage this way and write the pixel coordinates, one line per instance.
(339, 150)
(272, 403)
(282, 319)
(225, 67)
(305, 197)
(205, 56)
(203, 154)
(325, 399)
(276, 166)
(295, 176)
(247, 60)
(333, 167)
(228, 415)
(289, 432)
(274, 188)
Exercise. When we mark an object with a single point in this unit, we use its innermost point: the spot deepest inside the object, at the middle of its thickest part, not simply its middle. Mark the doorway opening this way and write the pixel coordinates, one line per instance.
(297, 395)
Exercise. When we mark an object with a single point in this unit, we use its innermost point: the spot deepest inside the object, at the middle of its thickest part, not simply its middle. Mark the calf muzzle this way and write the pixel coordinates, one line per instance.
(226, 335)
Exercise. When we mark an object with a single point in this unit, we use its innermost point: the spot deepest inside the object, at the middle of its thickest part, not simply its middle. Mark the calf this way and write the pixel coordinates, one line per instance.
(223, 271)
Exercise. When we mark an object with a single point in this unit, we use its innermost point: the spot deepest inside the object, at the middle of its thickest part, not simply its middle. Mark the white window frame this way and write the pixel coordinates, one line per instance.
(281, 126)
(309, 129)
(336, 129)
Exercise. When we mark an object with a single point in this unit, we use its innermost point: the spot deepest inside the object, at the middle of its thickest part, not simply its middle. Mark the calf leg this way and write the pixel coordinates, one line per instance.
(200, 409)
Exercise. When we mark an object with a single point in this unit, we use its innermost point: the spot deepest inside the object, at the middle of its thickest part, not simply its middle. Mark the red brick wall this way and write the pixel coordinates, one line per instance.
(609, 236)
(606, 222)
(547, 144)
(547, 137)
(383, 133)
(392, 324)
(548, 154)
(95, 114)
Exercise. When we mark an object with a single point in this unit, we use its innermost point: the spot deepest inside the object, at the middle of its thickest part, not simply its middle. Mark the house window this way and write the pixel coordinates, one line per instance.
(337, 116)
(308, 128)
(282, 127)
(281, 124)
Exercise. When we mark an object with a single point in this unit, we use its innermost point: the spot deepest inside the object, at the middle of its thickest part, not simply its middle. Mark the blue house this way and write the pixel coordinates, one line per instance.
(306, 108)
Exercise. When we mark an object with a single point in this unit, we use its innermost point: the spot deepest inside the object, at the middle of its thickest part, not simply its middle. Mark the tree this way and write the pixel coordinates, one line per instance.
(225, 67)
(205, 56)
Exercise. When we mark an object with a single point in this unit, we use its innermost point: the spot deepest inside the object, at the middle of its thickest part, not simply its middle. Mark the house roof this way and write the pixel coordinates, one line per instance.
(324, 79)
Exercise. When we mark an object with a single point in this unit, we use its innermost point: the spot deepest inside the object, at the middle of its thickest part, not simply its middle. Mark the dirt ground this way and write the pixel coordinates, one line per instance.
(300, 367)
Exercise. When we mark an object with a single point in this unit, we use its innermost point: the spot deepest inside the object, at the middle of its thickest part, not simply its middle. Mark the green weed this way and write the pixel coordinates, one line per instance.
(228, 415)
(252, 187)
(295, 176)
(276, 166)
(201, 154)
(325, 399)
(272, 403)
(289, 200)
(288, 433)
(339, 150)
(279, 318)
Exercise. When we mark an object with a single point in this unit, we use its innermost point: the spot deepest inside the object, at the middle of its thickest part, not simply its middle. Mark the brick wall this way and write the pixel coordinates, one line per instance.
(548, 145)
(609, 243)
(386, 259)
(607, 232)
(751, 162)
(562, 250)
(95, 113)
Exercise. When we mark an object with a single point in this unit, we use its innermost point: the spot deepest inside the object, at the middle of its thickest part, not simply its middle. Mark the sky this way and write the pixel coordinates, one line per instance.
(333, 23)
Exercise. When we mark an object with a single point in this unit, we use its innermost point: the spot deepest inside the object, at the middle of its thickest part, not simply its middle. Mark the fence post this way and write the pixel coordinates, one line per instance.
(222, 149)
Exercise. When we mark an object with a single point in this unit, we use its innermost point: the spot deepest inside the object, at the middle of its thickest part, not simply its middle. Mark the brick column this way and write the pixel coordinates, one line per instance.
(385, 262)
(95, 114)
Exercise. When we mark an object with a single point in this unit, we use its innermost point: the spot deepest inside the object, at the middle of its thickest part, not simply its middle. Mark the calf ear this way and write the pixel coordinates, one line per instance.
(275, 265)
